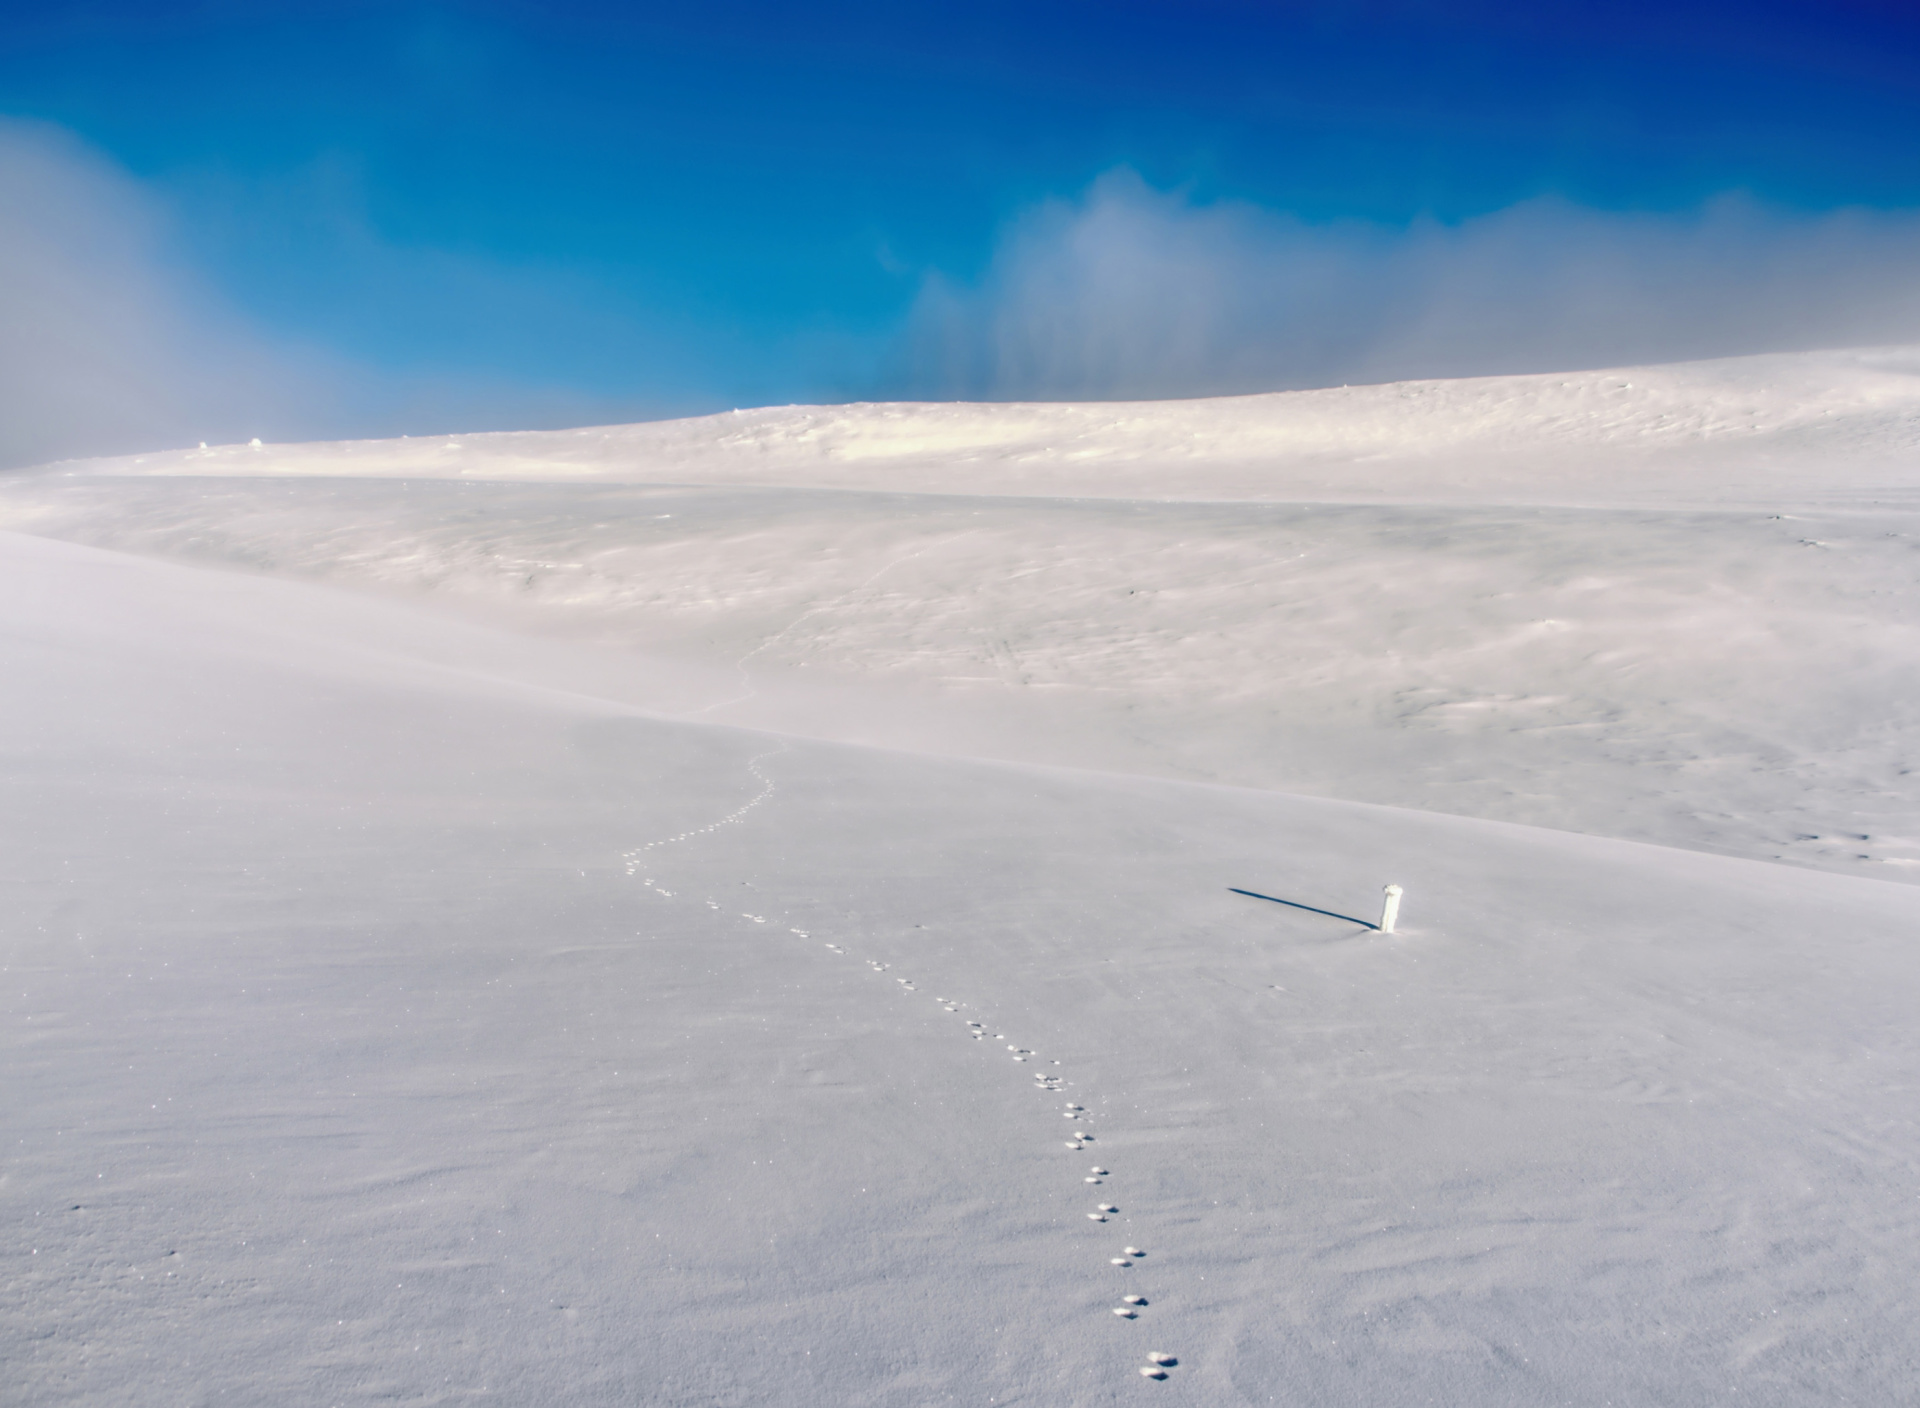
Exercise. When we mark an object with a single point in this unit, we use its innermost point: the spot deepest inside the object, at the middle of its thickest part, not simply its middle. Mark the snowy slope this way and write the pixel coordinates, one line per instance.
(1668, 604)
(385, 1025)
(1836, 426)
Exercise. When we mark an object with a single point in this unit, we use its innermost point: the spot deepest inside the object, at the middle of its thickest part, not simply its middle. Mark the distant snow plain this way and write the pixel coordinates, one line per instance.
(679, 913)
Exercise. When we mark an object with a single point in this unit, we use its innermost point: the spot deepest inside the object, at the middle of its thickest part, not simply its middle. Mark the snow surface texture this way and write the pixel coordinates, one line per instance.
(1669, 604)
(414, 1005)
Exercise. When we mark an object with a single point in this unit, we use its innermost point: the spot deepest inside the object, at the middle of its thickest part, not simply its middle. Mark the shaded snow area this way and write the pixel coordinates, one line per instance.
(872, 906)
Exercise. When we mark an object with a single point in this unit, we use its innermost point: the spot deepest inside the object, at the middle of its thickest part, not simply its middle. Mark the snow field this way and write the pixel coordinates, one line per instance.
(600, 916)
(1081, 1135)
(348, 1062)
(1669, 604)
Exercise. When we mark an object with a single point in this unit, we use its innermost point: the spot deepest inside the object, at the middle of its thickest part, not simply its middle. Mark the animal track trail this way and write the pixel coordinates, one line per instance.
(633, 858)
(1080, 1133)
(1131, 1306)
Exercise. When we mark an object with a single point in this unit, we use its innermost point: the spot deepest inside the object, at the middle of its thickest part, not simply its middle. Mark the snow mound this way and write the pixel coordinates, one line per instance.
(1669, 604)
(1714, 432)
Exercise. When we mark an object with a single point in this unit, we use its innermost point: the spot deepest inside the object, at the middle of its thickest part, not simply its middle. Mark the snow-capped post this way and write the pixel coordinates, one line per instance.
(1390, 911)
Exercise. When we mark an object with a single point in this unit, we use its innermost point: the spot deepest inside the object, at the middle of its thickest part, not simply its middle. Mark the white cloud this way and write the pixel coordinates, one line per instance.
(106, 342)
(112, 342)
(1133, 292)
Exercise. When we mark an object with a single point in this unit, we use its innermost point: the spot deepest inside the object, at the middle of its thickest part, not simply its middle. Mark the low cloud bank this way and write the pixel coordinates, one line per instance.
(112, 342)
(1134, 292)
(109, 344)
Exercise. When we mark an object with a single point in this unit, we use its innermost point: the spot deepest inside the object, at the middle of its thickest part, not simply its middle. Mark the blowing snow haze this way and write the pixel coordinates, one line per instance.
(339, 220)
(713, 708)
(1129, 292)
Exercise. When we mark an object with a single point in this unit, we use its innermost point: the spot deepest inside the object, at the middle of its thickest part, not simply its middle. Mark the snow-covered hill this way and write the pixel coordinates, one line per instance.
(1671, 604)
(1831, 426)
(462, 942)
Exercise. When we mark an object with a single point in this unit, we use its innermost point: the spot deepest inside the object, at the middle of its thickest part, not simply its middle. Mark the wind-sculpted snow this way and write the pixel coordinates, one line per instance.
(1741, 680)
(463, 942)
(1738, 431)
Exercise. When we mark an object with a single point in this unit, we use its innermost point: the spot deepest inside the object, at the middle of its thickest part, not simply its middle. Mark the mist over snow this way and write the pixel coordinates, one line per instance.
(1132, 292)
(108, 342)
(113, 339)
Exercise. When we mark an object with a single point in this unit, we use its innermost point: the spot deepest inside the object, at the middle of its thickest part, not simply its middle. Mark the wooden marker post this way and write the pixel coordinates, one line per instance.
(1390, 911)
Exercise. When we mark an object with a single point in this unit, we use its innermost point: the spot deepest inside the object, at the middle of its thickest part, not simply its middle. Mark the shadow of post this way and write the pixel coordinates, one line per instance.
(1294, 904)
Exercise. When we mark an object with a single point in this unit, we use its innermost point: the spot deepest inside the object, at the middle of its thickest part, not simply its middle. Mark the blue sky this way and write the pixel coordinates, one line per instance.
(451, 215)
